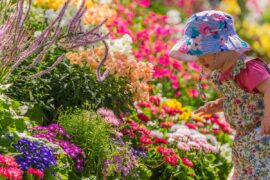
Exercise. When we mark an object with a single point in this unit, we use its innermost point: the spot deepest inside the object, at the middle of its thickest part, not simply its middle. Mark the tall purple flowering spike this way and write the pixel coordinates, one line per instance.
(16, 45)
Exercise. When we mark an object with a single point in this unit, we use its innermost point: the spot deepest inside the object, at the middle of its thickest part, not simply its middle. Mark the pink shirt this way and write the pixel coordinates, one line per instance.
(248, 79)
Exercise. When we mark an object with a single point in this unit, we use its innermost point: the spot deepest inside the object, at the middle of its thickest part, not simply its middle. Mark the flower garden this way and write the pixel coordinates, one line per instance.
(88, 91)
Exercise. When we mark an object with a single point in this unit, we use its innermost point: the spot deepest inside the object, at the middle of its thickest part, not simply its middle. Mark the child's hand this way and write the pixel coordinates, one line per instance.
(265, 126)
(209, 108)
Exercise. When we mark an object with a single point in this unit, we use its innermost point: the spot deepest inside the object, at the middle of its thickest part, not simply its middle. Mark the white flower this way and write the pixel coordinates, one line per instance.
(157, 133)
(151, 123)
(212, 139)
(175, 127)
(122, 45)
(105, 1)
(173, 17)
(226, 151)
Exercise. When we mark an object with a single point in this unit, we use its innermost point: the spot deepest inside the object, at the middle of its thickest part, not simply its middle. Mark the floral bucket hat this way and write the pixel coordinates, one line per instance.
(208, 32)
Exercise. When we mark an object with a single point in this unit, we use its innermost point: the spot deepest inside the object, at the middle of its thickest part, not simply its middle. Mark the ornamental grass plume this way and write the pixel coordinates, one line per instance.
(17, 44)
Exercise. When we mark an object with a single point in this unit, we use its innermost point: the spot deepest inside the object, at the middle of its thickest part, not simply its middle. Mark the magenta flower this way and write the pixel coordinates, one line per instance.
(187, 162)
(143, 117)
(143, 3)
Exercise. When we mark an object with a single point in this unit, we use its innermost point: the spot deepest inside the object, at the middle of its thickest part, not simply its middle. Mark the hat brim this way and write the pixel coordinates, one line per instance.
(184, 49)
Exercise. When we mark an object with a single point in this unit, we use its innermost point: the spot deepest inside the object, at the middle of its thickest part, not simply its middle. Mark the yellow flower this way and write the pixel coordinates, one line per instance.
(56, 4)
(230, 6)
(173, 103)
(186, 114)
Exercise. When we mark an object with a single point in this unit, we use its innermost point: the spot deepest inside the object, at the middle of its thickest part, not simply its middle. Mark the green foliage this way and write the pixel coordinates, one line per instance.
(91, 133)
(68, 86)
(10, 119)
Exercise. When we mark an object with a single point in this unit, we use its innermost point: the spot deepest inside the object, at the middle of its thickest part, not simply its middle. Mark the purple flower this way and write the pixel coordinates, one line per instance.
(34, 154)
(57, 135)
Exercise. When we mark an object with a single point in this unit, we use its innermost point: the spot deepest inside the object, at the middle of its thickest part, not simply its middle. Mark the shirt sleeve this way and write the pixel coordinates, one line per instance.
(255, 73)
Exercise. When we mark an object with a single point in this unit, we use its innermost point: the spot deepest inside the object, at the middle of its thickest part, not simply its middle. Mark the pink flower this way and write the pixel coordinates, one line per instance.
(155, 100)
(165, 61)
(8, 161)
(143, 117)
(166, 124)
(161, 140)
(183, 146)
(194, 66)
(145, 140)
(11, 173)
(177, 93)
(175, 84)
(144, 104)
(145, 131)
(143, 3)
(35, 172)
(193, 93)
(194, 145)
(143, 35)
(166, 151)
(172, 160)
(159, 73)
(191, 126)
(187, 162)
(112, 120)
(177, 65)
(216, 131)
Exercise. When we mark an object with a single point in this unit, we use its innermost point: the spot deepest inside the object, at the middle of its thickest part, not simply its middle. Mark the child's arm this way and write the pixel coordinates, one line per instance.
(264, 88)
(211, 107)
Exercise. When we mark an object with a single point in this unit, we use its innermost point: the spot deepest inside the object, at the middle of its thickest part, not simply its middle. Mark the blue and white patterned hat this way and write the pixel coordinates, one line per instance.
(208, 32)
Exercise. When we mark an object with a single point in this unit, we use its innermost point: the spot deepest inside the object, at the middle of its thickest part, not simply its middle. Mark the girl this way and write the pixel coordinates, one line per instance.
(244, 83)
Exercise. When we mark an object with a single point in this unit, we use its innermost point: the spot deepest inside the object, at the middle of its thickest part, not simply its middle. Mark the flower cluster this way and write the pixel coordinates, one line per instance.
(57, 135)
(188, 139)
(9, 168)
(36, 172)
(170, 155)
(35, 154)
(122, 163)
(120, 63)
(109, 116)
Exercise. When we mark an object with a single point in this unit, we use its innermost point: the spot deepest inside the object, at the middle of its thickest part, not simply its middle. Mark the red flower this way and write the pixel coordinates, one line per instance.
(166, 124)
(145, 131)
(143, 117)
(191, 126)
(217, 131)
(187, 162)
(144, 104)
(128, 132)
(35, 172)
(171, 111)
(161, 140)
(11, 173)
(166, 151)
(144, 3)
(145, 140)
(172, 160)
(8, 161)
(155, 100)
